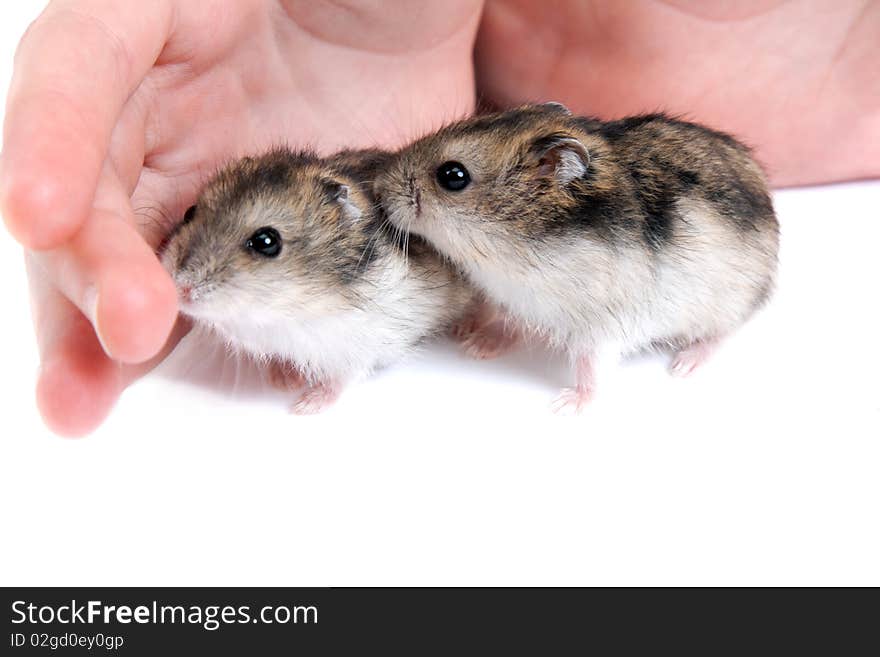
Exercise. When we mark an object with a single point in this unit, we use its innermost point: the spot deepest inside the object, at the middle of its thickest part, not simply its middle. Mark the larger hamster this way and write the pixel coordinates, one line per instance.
(640, 232)
(286, 257)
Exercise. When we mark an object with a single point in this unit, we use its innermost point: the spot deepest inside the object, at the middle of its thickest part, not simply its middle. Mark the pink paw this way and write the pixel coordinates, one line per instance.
(489, 342)
(572, 401)
(463, 328)
(285, 376)
(315, 399)
(690, 358)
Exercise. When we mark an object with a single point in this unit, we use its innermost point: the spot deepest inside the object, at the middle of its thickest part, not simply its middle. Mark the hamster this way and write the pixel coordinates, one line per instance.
(645, 232)
(287, 258)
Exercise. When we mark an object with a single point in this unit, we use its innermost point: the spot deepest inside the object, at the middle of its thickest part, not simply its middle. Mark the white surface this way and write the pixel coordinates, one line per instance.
(761, 469)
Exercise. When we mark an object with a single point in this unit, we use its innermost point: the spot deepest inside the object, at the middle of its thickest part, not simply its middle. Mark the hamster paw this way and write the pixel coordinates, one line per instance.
(285, 376)
(685, 361)
(463, 328)
(315, 399)
(489, 342)
(572, 401)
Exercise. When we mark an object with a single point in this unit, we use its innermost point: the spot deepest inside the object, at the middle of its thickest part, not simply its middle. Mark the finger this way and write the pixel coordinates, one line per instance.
(74, 70)
(113, 276)
(78, 384)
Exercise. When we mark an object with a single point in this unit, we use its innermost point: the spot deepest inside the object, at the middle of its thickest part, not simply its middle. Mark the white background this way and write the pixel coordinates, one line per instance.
(760, 469)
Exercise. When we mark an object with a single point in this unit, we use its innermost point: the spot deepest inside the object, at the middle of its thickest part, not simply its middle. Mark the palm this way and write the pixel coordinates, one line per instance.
(241, 94)
(790, 78)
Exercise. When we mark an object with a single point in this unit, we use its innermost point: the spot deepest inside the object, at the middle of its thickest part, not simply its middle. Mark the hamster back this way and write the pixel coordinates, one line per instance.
(640, 232)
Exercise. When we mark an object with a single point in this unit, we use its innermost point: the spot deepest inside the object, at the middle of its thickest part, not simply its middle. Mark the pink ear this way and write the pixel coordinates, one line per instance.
(555, 106)
(340, 194)
(563, 156)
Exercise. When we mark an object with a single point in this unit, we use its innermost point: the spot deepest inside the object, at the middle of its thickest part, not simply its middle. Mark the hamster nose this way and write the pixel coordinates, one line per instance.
(415, 193)
(185, 292)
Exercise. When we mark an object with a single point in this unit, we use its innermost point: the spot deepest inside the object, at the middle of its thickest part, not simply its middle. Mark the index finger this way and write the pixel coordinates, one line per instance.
(75, 68)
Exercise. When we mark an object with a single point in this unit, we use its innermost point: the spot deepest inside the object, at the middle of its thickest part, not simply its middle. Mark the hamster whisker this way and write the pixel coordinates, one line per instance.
(371, 243)
(154, 220)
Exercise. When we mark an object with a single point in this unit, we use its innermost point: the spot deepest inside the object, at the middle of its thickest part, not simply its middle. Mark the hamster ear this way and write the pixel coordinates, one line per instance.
(554, 106)
(340, 194)
(562, 156)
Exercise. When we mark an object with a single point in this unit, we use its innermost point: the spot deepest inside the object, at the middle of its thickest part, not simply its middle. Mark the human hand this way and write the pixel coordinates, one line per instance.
(799, 81)
(117, 113)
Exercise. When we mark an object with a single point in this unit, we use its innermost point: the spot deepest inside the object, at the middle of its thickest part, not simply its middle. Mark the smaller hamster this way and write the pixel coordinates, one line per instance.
(287, 258)
(645, 232)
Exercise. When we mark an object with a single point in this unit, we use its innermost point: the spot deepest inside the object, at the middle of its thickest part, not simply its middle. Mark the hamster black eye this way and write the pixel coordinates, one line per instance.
(453, 176)
(265, 241)
(189, 214)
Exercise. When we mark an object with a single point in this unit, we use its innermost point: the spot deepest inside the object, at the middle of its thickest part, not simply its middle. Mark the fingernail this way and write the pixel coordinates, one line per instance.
(90, 308)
